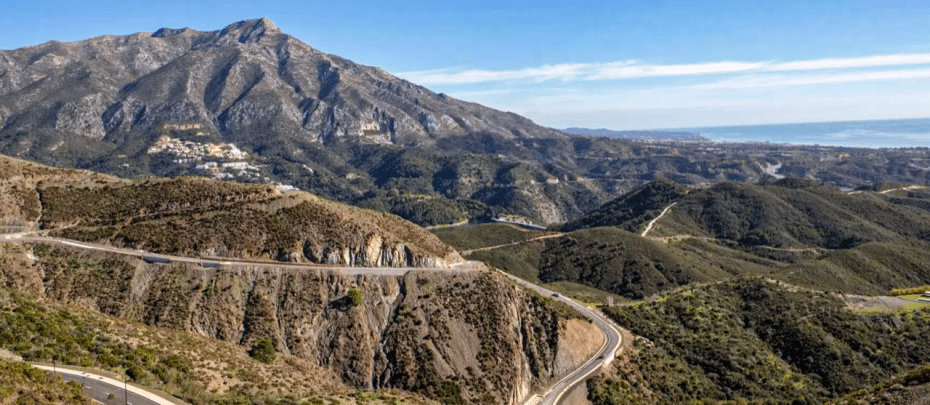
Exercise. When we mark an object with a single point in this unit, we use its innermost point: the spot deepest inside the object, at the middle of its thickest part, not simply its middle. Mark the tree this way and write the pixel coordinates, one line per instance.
(263, 351)
(355, 296)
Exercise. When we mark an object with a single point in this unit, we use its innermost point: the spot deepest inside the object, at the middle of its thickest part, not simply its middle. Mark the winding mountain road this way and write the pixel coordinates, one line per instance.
(99, 388)
(603, 357)
(352, 271)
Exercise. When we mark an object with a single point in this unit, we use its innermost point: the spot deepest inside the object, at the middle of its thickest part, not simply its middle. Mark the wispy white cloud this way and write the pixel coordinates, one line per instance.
(568, 71)
(761, 81)
(632, 69)
(480, 93)
(848, 63)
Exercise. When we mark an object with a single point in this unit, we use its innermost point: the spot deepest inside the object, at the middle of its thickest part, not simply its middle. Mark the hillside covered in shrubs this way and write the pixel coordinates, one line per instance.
(759, 340)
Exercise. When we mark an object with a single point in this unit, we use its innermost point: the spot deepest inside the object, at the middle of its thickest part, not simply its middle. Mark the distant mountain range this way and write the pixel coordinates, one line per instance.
(639, 135)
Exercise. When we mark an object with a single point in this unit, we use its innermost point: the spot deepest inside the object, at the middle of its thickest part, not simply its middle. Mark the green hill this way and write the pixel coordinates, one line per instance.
(910, 388)
(758, 340)
(794, 213)
(632, 210)
(616, 261)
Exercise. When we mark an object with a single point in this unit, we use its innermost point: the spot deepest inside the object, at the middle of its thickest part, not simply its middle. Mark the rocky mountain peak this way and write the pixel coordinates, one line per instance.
(250, 30)
(170, 32)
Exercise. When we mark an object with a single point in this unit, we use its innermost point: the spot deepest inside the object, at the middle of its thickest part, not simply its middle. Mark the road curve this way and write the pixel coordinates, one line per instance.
(603, 357)
(99, 388)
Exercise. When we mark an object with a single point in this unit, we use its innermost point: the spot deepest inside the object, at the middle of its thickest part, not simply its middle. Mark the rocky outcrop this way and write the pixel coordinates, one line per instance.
(468, 335)
(376, 253)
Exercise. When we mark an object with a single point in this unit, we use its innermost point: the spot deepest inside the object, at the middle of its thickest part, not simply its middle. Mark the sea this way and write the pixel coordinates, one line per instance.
(900, 133)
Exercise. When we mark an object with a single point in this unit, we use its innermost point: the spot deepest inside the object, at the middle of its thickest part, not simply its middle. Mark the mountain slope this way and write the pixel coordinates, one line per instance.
(252, 104)
(763, 341)
(630, 211)
(791, 230)
(795, 213)
(205, 217)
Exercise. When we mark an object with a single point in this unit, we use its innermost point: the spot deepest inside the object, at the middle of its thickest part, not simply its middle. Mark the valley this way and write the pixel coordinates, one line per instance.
(235, 217)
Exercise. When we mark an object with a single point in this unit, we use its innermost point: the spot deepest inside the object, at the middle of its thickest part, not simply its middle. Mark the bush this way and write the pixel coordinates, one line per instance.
(355, 296)
(263, 351)
(910, 290)
(135, 372)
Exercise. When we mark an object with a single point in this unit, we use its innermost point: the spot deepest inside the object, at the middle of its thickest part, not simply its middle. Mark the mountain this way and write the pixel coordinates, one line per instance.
(248, 82)
(252, 104)
(417, 330)
(640, 135)
(247, 102)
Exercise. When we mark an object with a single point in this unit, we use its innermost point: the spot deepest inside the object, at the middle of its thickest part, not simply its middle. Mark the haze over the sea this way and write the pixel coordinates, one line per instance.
(902, 133)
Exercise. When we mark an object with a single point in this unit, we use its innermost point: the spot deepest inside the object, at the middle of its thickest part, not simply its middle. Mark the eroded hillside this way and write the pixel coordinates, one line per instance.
(426, 331)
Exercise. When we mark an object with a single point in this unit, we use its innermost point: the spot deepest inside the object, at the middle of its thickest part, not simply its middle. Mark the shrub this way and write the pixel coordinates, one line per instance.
(135, 372)
(355, 296)
(910, 290)
(263, 351)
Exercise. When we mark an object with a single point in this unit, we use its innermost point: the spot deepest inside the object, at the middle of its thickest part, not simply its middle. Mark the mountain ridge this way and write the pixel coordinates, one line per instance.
(252, 104)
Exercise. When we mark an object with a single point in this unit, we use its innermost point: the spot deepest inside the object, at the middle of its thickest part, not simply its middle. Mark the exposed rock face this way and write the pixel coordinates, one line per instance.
(374, 254)
(432, 332)
(304, 117)
(244, 82)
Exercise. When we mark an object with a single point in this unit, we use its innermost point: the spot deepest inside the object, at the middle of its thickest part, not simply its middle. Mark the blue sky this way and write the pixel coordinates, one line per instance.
(613, 64)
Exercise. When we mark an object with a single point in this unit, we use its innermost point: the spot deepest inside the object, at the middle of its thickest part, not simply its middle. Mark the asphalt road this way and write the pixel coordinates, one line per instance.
(391, 271)
(552, 396)
(602, 357)
(100, 388)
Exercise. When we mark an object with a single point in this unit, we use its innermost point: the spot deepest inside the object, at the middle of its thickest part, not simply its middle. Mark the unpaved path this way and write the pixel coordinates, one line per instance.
(653, 222)
(555, 235)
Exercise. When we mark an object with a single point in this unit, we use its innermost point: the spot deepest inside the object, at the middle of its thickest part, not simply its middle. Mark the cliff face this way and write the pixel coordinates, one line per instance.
(449, 335)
